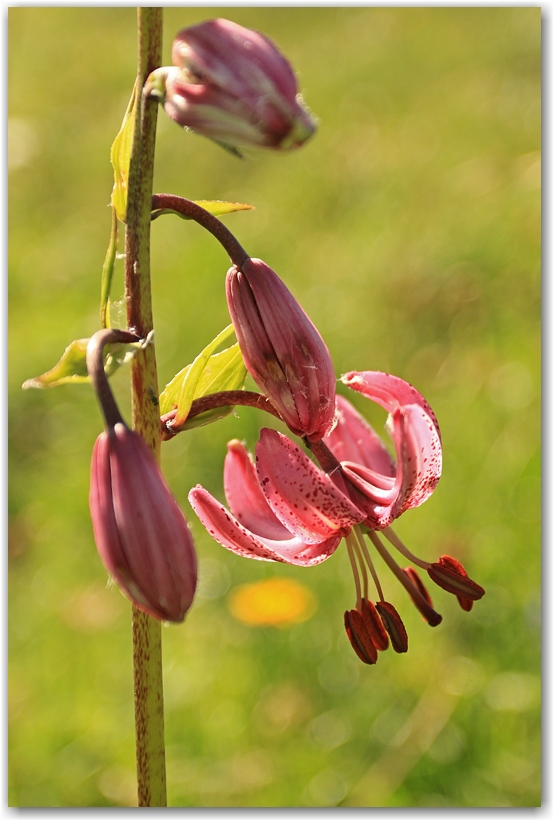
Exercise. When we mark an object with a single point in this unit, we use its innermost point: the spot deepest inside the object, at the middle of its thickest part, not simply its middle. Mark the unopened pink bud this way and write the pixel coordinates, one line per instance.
(282, 349)
(141, 534)
(233, 85)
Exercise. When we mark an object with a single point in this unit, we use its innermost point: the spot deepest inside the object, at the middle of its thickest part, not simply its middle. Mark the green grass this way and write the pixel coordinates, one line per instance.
(409, 229)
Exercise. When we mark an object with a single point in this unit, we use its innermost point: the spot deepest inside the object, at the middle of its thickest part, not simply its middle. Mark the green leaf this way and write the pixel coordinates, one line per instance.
(71, 368)
(120, 156)
(209, 373)
(216, 207)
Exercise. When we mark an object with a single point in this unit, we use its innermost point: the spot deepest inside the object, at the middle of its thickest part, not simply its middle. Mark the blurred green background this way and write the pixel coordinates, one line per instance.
(409, 229)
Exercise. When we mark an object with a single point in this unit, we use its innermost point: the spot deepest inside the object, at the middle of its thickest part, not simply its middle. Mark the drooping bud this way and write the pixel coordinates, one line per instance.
(234, 86)
(374, 625)
(141, 534)
(451, 575)
(393, 625)
(359, 637)
(282, 349)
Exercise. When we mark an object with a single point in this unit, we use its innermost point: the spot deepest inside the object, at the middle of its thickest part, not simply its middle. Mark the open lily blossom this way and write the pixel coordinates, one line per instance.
(233, 85)
(282, 349)
(300, 525)
(287, 509)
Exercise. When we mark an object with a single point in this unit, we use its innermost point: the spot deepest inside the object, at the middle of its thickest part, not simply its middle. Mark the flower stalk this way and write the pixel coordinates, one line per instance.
(147, 661)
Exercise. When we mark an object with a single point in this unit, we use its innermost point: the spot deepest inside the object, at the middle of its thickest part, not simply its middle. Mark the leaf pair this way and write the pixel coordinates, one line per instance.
(209, 373)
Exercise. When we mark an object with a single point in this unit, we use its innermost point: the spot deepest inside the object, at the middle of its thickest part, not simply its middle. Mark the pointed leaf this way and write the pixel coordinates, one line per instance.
(120, 156)
(216, 207)
(71, 368)
(209, 373)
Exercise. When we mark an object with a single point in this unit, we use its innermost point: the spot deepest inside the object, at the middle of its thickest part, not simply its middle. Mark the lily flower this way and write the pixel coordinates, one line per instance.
(140, 532)
(285, 509)
(282, 349)
(233, 85)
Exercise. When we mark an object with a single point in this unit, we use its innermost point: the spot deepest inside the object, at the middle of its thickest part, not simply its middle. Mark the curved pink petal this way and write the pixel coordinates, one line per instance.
(418, 469)
(244, 496)
(388, 391)
(419, 452)
(302, 496)
(353, 439)
(232, 535)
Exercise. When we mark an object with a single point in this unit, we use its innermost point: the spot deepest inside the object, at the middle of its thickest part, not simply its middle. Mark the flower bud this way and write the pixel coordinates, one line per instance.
(233, 85)
(282, 349)
(141, 534)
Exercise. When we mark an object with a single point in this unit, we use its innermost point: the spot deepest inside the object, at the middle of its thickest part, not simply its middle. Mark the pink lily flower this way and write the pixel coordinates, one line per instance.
(284, 509)
(288, 510)
(233, 85)
(282, 349)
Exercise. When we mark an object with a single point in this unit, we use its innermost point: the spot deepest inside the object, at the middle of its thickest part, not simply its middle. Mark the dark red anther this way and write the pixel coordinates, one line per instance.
(393, 625)
(359, 637)
(374, 625)
(428, 612)
(451, 575)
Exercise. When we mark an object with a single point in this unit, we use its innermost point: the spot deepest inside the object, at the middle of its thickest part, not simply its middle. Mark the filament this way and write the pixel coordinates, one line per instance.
(368, 559)
(419, 600)
(400, 546)
(350, 544)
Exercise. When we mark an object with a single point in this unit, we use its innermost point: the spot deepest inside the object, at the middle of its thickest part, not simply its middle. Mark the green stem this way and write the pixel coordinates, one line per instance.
(148, 683)
(107, 272)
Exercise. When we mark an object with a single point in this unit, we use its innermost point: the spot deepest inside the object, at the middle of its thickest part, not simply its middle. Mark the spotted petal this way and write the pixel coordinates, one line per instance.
(388, 391)
(302, 496)
(417, 442)
(230, 533)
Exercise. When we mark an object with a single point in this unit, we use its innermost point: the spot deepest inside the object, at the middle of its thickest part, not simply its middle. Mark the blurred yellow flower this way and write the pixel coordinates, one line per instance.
(273, 602)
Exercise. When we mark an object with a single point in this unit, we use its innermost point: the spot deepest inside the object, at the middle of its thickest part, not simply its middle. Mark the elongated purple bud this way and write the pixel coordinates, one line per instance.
(233, 85)
(283, 351)
(141, 534)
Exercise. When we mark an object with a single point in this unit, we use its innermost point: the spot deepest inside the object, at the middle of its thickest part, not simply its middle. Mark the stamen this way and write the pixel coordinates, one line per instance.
(368, 559)
(374, 624)
(359, 637)
(350, 544)
(419, 600)
(394, 626)
(359, 555)
(388, 533)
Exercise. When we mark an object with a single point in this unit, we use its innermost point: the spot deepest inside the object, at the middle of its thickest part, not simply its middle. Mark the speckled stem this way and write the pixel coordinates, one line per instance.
(148, 683)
